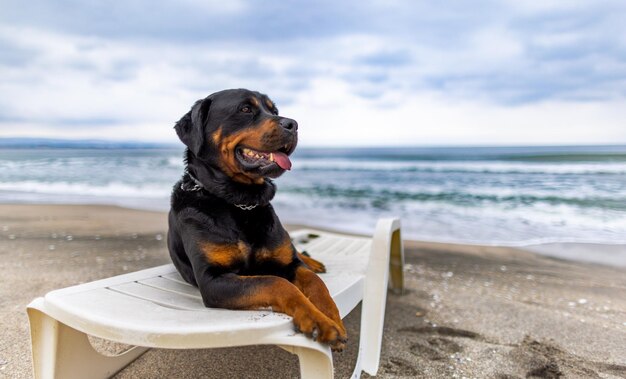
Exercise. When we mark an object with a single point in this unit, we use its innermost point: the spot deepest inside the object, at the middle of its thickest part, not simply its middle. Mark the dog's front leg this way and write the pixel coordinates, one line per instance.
(252, 292)
(315, 290)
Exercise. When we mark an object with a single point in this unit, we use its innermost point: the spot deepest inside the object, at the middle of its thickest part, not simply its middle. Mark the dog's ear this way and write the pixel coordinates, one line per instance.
(190, 128)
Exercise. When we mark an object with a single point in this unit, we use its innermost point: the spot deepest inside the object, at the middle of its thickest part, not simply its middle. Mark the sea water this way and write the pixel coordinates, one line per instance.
(482, 195)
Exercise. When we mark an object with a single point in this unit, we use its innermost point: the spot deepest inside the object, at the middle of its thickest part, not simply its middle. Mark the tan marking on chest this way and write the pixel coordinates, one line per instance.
(283, 254)
(225, 255)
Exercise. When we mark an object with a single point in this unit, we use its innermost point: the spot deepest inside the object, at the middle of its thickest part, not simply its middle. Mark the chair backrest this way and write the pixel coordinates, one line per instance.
(387, 242)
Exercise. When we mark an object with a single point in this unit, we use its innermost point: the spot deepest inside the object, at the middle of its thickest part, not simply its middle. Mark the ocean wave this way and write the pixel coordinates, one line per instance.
(91, 161)
(460, 166)
(502, 195)
(567, 157)
(447, 222)
(112, 190)
(511, 153)
(175, 162)
(377, 198)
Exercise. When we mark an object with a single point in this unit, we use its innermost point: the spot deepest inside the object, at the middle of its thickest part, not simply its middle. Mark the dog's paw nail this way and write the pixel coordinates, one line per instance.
(337, 348)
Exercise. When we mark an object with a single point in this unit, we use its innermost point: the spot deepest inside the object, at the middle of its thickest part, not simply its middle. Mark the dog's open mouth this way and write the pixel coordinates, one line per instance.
(261, 159)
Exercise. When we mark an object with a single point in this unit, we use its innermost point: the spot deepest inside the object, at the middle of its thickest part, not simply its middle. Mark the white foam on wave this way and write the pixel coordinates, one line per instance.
(175, 162)
(486, 190)
(462, 166)
(491, 223)
(112, 189)
(495, 224)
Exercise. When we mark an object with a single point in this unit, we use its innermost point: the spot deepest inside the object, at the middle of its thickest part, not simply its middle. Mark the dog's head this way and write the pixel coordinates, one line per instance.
(240, 133)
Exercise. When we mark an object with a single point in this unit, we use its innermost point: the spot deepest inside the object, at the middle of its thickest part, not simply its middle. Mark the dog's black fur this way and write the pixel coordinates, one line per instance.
(243, 259)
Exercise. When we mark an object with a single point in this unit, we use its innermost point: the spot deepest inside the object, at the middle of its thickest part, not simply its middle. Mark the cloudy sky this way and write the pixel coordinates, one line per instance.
(351, 72)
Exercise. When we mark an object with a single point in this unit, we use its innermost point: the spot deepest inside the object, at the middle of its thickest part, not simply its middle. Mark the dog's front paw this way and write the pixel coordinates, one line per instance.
(315, 265)
(321, 328)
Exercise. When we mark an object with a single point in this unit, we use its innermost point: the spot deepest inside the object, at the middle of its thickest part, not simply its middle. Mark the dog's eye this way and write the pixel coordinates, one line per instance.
(246, 110)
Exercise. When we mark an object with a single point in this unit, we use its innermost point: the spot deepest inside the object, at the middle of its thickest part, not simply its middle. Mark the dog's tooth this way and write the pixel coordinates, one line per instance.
(272, 157)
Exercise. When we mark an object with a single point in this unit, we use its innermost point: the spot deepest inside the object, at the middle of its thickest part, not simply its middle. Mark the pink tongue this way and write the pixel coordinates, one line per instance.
(282, 160)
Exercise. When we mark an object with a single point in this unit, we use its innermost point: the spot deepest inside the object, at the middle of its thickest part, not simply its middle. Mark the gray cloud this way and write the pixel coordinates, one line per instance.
(502, 53)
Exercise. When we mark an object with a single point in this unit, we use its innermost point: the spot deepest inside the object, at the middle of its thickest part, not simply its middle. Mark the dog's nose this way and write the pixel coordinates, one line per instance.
(288, 124)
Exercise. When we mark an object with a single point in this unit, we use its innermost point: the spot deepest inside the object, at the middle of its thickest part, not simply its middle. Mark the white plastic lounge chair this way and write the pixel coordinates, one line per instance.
(156, 308)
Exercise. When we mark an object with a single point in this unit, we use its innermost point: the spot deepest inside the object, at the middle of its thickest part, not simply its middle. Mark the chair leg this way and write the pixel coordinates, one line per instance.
(63, 352)
(314, 364)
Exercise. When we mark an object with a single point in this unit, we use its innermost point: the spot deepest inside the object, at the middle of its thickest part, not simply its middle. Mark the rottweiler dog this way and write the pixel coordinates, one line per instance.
(224, 236)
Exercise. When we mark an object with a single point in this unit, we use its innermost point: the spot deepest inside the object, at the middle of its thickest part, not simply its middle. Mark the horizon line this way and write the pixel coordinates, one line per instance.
(26, 141)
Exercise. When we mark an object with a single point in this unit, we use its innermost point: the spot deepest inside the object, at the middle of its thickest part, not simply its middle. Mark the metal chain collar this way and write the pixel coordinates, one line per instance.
(246, 207)
(198, 186)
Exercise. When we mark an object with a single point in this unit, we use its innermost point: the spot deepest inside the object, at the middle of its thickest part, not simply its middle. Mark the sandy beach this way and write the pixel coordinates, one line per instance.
(469, 311)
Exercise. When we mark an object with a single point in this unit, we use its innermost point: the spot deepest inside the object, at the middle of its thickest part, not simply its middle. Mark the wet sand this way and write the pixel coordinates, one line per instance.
(469, 311)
